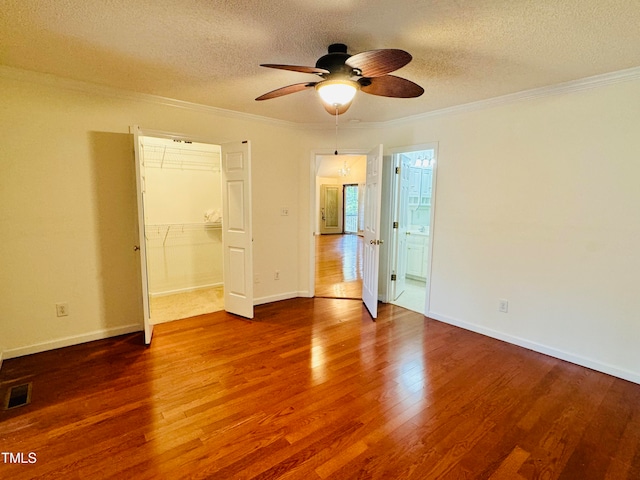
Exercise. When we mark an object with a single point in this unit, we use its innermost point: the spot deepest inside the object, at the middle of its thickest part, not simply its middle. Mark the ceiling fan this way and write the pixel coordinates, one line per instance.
(343, 75)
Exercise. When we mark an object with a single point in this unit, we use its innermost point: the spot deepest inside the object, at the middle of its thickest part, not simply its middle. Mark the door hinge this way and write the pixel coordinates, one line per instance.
(395, 224)
(394, 277)
(397, 170)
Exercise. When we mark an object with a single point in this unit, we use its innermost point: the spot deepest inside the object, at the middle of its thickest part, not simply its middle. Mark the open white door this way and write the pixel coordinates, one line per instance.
(400, 233)
(142, 243)
(237, 236)
(371, 257)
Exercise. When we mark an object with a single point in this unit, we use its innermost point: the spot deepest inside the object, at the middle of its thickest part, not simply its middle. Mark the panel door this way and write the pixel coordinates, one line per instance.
(402, 217)
(331, 209)
(372, 243)
(142, 239)
(237, 236)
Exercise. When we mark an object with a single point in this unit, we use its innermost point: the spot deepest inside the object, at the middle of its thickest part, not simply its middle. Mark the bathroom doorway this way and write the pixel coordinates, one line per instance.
(412, 234)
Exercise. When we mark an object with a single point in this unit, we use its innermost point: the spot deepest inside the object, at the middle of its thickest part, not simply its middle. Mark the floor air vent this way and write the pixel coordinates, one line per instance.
(18, 396)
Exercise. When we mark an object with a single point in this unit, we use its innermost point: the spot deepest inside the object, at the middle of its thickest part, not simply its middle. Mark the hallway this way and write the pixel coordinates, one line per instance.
(339, 266)
(339, 272)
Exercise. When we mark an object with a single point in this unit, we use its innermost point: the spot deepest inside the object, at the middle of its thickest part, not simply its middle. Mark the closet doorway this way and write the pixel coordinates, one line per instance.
(183, 227)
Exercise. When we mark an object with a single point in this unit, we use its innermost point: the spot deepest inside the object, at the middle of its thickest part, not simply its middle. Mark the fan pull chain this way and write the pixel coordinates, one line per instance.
(336, 152)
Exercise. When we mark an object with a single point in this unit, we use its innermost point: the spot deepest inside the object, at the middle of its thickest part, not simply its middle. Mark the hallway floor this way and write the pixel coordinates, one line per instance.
(339, 266)
(339, 272)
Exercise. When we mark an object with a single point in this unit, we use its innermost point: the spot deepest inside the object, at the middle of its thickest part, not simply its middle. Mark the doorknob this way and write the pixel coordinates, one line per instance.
(376, 242)
(136, 248)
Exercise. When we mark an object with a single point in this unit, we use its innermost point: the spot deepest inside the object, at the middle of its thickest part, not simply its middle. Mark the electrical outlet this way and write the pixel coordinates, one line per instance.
(284, 211)
(62, 309)
(276, 275)
(503, 305)
(257, 278)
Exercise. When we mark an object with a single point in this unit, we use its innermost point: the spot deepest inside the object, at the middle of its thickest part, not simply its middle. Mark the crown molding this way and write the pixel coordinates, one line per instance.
(596, 81)
(587, 83)
(93, 88)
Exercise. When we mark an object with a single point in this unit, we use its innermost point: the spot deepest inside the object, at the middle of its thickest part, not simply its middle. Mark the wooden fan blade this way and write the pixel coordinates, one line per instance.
(332, 109)
(376, 63)
(391, 86)
(278, 92)
(296, 68)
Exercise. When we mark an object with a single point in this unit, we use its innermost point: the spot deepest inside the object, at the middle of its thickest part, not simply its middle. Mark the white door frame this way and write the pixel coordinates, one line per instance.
(416, 148)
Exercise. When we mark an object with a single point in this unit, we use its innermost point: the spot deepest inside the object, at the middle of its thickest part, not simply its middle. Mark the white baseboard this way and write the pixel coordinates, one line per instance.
(275, 298)
(540, 348)
(184, 290)
(72, 340)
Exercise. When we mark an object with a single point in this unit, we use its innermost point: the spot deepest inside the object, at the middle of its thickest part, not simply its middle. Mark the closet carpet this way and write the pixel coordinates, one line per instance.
(188, 304)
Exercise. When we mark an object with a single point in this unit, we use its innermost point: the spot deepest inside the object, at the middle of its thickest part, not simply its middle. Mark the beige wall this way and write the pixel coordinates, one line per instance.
(537, 203)
(68, 208)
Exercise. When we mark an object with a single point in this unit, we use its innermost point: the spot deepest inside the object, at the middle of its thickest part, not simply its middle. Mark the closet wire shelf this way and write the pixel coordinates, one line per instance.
(162, 230)
(160, 156)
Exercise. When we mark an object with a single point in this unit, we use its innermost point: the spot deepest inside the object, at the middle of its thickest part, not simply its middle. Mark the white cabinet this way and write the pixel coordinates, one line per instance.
(425, 186)
(420, 186)
(417, 249)
(414, 185)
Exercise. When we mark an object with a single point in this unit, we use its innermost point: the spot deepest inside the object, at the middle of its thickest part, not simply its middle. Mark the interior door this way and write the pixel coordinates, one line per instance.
(372, 242)
(142, 242)
(401, 232)
(330, 209)
(237, 236)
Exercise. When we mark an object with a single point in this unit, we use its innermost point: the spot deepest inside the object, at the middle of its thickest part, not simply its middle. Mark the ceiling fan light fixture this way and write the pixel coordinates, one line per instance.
(337, 92)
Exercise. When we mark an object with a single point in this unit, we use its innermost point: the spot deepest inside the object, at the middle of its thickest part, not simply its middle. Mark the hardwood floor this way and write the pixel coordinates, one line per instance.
(339, 266)
(313, 389)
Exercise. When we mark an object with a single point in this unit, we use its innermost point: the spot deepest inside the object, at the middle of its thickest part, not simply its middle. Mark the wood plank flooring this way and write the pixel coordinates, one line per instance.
(313, 389)
(339, 266)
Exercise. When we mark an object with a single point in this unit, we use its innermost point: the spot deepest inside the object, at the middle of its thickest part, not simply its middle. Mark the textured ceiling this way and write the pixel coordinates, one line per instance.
(208, 52)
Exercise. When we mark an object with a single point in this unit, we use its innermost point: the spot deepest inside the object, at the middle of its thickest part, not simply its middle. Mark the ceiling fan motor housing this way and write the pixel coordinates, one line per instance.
(334, 61)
